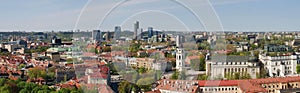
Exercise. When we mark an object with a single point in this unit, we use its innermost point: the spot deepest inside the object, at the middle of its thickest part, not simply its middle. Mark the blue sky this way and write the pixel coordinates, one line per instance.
(234, 15)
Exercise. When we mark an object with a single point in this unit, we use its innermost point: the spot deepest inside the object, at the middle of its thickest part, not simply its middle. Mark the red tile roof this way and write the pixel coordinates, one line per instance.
(178, 85)
(215, 83)
(248, 86)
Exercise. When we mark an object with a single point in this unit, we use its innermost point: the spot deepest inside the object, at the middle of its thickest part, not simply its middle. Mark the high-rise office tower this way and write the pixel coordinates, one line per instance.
(150, 32)
(117, 32)
(141, 33)
(156, 36)
(96, 35)
(136, 27)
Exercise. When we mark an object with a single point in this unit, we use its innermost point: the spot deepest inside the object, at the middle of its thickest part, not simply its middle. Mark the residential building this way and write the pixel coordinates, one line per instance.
(98, 75)
(142, 62)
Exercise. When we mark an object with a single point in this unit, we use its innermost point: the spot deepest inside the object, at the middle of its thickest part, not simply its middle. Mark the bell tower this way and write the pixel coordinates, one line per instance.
(180, 64)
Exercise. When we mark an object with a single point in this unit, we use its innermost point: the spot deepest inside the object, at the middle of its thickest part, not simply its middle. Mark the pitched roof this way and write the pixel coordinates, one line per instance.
(229, 58)
(178, 85)
(207, 83)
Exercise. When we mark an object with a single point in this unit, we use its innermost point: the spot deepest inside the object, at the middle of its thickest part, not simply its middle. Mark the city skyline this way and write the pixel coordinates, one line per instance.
(235, 15)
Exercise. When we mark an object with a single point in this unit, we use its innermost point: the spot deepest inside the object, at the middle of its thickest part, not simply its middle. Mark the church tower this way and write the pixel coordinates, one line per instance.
(180, 64)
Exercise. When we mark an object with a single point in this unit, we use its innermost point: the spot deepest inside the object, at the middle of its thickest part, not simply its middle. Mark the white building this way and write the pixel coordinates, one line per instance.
(180, 63)
(98, 75)
(219, 66)
(280, 65)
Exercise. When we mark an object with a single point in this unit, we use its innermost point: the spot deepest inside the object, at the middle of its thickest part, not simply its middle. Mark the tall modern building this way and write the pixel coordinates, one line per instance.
(96, 34)
(150, 32)
(156, 33)
(141, 34)
(136, 27)
(117, 32)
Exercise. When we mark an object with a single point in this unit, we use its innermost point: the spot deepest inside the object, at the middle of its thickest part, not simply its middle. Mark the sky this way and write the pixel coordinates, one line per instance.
(169, 15)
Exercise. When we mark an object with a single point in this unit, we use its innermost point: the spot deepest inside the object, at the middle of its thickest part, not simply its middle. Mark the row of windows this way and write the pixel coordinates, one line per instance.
(234, 63)
(277, 86)
(271, 86)
(282, 57)
(276, 63)
(218, 89)
(272, 90)
(235, 69)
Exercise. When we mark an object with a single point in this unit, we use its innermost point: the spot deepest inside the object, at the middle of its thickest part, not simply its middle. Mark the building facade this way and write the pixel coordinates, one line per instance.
(279, 65)
(219, 66)
(96, 36)
(266, 85)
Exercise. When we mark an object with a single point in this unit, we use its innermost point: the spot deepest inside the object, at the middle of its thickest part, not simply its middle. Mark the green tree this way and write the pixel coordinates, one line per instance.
(64, 90)
(134, 47)
(145, 83)
(24, 91)
(298, 69)
(5, 89)
(182, 75)
(202, 63)
(173, 62)
(202, 77)
(2, 81)
(106, 49)
(37, 73)
(21, 66)
(204, 46)
(245, 76)
(262, 74)
(126, 87)
(175, 75)
(142, 70)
